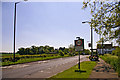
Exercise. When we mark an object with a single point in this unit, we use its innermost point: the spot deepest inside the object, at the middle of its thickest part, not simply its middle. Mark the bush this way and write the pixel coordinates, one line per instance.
(116, 51)
(61, 53)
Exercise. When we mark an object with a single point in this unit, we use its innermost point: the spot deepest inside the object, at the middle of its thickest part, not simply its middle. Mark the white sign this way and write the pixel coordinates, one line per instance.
(78, 48)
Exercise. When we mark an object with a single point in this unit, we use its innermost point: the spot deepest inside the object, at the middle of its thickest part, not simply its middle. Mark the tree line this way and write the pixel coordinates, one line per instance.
(48, 50)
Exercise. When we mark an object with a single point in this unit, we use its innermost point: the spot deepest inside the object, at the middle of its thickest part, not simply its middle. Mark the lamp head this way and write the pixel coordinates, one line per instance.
(86, 22)
(83, 22)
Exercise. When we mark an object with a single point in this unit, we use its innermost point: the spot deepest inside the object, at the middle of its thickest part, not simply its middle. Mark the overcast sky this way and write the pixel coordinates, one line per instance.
(55, 24)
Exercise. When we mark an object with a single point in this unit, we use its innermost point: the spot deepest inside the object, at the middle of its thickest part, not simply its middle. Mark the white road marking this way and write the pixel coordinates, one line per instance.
(49, 68)
(15, 66)
(41, 71)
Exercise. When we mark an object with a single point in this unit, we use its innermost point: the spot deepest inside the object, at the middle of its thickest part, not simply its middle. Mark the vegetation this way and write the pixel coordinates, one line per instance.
(35, 50)
(70, 73)
(116, 52)
(105, 18)
(31, 58)
(44, 50)
(113, 60)
(34, 53)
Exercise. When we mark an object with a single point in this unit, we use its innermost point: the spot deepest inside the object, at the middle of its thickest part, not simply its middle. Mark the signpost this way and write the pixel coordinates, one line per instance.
(79, 46)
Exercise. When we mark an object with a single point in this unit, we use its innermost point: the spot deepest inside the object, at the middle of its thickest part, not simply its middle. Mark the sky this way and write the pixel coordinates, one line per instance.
(56, 24)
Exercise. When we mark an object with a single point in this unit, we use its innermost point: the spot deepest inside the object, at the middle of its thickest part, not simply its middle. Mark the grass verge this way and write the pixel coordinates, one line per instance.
(26, 60)
(70, 73)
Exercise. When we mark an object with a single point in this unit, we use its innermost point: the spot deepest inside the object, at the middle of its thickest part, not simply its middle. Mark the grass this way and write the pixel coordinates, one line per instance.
(70, 73)
(5, 54)
(26, 60)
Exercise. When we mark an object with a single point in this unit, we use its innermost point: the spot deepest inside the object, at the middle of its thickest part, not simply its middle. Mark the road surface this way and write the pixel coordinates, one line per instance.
(40, 69)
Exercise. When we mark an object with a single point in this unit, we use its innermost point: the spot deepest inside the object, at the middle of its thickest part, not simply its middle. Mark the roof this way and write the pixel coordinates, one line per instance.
(105, 46)
(115, 46)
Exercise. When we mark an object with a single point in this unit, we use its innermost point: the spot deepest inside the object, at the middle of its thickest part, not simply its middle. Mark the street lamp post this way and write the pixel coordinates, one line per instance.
(15, 30)
(91, 36)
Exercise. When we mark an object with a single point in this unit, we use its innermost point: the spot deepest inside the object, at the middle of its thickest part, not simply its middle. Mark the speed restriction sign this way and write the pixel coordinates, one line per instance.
(79, 42)
(79, 45)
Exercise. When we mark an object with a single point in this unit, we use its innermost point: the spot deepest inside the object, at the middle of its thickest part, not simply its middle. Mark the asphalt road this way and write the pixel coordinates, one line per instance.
(40, 69)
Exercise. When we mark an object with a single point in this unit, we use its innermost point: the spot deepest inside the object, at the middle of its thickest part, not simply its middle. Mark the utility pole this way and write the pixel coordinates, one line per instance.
(15, 29)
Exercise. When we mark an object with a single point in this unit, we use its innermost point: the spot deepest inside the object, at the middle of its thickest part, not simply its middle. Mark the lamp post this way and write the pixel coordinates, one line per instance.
(91, 36)
(15, 29)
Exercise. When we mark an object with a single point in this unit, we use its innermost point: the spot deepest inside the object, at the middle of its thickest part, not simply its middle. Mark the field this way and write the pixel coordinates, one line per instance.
(7, 59)
(5, 55)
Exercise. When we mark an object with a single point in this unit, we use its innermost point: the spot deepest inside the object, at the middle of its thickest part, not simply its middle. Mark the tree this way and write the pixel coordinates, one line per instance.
(66, 50)
(71, 49)
(87, 51)
(61, 53)
(51, 49)
(27, 51)
(56, 51)
(21, 51)
(34, 50)
(105, 19)
(62, 48)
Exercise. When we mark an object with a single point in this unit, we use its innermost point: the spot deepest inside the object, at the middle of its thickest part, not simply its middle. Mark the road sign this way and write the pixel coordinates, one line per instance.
(79, 42)
(79, 45)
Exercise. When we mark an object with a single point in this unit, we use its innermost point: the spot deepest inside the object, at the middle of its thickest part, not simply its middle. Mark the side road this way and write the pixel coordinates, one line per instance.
(103, 71)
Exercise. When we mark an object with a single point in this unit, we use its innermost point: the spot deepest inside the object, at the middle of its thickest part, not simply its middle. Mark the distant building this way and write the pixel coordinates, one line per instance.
(115, 47)
(105, 48)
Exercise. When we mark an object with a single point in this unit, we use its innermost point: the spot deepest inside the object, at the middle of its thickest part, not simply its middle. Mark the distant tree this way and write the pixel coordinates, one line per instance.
(56, 51)
(41, 49)
(71, 49)
(62, 48)
(46, 51)
(27, 51)
(87, 51)
(34, 50)
(46, 47)
(66, 51)
(21, 51)
(61, 53)
(51, 49)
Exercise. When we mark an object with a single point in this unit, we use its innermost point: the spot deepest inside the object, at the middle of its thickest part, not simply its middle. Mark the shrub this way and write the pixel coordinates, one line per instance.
(61, 53)
(116, 51)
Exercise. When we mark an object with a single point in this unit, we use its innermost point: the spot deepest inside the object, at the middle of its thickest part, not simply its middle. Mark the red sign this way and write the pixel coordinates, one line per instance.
(78, 42)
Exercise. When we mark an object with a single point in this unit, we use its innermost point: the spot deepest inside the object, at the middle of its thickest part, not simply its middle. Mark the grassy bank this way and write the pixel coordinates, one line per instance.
(32, 58)
(113, 60)
(70, 73)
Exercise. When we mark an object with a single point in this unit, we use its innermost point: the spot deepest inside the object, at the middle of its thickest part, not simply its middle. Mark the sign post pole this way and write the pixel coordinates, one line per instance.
(79, 61)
